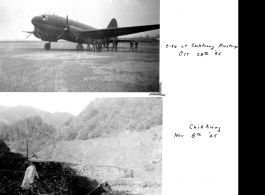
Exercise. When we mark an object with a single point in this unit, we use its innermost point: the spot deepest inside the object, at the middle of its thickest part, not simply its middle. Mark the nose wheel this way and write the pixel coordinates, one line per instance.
(79, 47)
(47, 46)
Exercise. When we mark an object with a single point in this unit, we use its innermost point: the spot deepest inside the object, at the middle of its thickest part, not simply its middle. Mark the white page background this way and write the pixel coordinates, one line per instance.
(199, 90)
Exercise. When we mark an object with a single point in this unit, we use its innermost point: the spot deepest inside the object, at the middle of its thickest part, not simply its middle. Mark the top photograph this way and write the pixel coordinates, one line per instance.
(79, 46)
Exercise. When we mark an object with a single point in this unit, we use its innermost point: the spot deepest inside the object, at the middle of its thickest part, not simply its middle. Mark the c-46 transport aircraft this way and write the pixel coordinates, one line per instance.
(51, 28)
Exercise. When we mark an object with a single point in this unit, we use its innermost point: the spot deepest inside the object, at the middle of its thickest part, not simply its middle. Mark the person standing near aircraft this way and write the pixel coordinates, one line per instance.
(94, 46)
(131, 46)
(114, 44)
(136, 45)
(99, 45)
(28, 180)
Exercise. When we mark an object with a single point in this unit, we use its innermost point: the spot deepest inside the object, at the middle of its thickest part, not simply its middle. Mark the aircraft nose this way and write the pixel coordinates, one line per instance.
(34, 20)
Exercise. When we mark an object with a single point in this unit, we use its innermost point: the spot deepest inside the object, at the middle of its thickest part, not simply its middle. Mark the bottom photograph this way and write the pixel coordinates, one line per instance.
(91, 147)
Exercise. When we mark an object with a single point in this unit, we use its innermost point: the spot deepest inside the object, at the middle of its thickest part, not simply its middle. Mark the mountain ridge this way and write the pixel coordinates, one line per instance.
(109, 116)
(10, 114)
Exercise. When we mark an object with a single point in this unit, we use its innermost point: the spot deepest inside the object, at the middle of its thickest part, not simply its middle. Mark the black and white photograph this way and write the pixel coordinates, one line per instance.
(79, 46)
(122, 97)
(90, 146)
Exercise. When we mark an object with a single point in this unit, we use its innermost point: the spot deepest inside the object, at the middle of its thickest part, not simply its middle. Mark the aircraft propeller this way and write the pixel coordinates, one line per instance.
(33, 32)
(30, 33)
(67, 29)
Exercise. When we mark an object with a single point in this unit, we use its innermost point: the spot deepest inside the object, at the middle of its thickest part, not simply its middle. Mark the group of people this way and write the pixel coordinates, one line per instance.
(97, 45)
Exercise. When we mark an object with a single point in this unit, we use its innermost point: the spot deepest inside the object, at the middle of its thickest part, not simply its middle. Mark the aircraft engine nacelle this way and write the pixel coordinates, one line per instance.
(44, 36)
(49, 38)
(87, 40)
(37, 33)
(76, 29)
(75, 33)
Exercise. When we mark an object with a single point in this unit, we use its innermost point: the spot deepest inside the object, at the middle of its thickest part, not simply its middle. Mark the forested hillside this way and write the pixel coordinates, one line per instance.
(109, 116)
(9, 115)
(38, 134)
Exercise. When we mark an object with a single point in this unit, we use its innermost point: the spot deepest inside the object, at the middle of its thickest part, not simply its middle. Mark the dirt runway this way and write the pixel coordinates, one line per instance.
(27, 67)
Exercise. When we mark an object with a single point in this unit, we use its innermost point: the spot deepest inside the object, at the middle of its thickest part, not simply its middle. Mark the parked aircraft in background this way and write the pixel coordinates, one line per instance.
(52, 28)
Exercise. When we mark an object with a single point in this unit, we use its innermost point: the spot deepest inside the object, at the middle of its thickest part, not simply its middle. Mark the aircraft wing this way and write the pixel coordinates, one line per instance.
(139, 40)
(114, 32)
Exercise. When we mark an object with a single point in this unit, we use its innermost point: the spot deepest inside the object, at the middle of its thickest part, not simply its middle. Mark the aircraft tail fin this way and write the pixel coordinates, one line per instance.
(113, 23)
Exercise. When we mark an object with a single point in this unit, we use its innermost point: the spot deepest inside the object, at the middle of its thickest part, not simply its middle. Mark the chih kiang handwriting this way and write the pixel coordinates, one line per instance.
(201, 49)
(200, 130)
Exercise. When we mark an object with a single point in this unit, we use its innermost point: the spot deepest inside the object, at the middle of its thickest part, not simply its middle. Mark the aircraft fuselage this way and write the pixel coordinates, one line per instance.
(52, 28)
(49, 28)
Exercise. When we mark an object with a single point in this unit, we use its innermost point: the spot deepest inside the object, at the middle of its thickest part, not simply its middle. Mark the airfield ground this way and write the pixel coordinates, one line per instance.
(27, 67)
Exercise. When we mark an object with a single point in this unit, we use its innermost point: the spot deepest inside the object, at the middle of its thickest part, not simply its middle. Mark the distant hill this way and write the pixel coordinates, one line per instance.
(108, 116)
(9, 115)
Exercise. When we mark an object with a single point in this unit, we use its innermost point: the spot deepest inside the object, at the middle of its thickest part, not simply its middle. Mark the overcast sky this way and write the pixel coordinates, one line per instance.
(16, 15)
(72, 103)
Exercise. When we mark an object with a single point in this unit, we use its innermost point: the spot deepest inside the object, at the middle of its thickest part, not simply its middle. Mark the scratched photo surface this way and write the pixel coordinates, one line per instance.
(113, 140)
(81, 46)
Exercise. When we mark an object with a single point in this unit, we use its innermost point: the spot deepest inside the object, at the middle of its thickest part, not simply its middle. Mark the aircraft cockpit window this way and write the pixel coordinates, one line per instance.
(44, 17)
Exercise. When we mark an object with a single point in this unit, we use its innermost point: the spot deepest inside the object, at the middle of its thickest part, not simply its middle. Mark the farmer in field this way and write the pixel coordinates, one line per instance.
(29, 176)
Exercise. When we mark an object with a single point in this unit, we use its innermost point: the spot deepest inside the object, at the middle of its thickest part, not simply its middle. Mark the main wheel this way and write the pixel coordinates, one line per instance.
(47, 46)
(79, 47)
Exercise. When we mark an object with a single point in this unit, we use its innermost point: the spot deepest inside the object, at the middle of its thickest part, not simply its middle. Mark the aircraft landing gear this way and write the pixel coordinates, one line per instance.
(79, 47)
(47, 46)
